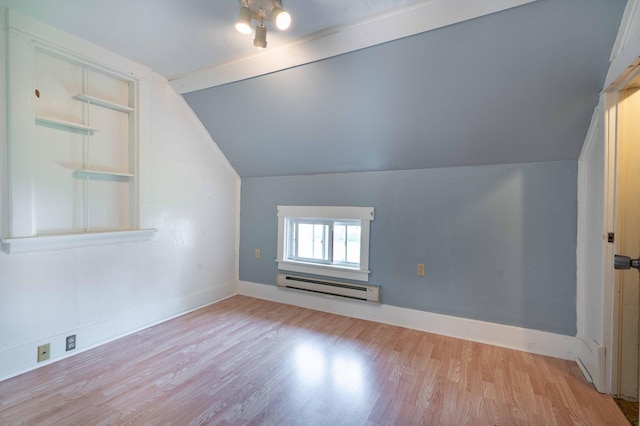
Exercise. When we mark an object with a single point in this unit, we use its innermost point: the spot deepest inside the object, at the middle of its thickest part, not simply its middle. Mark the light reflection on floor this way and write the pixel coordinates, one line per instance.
(347, 375)
(339, 372)
(310, 365)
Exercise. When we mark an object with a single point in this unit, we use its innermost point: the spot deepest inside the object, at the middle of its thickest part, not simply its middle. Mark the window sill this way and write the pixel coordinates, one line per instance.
(69, 241)
(324, 270)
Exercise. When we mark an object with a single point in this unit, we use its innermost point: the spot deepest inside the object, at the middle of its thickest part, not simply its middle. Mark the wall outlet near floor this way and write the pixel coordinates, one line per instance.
(43, 352)
(71, 342)
(258, 254)
(421, 270)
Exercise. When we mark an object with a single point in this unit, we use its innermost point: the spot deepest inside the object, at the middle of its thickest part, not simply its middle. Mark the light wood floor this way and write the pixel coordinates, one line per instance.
(247, 361)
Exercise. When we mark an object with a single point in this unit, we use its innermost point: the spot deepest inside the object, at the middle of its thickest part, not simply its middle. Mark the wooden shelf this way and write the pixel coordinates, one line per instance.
(107, 104)
(54, 122)
(103, 173)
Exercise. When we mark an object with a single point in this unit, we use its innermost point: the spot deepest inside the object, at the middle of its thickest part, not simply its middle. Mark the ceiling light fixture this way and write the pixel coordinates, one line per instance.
(261, 10)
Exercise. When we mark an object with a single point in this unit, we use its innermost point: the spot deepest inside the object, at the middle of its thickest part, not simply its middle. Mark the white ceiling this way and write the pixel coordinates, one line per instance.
(174, 37)
(194, 44)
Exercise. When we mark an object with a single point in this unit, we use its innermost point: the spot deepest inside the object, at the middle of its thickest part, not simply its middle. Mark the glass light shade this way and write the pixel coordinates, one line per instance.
(260, 41)
(282, 18)
(243, 24)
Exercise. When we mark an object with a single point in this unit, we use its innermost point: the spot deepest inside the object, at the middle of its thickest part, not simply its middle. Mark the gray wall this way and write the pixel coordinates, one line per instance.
(499, 242)
(513, 87)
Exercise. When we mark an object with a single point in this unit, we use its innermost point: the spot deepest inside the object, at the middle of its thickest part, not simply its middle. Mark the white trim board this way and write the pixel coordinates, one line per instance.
(522, 339)
(591, 354)
(624, 30)
(22, 359)
(592, 362)
(66, 241)
(403, 22)
(624, 54)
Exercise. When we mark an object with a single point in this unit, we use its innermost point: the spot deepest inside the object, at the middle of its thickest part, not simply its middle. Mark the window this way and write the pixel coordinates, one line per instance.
(329, 241)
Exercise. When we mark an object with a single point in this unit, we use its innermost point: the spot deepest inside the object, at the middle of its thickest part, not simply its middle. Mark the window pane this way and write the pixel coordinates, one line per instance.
(340, 243)
(305, 240)
(353, 244)
(311, 241)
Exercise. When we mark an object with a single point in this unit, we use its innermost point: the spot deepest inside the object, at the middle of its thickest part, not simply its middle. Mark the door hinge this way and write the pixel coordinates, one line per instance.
(611, 237)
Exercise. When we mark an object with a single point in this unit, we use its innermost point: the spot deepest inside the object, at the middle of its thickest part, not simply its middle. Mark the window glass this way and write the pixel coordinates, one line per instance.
(310, 241)
(340, 243)
(353, 244)
(328, 242)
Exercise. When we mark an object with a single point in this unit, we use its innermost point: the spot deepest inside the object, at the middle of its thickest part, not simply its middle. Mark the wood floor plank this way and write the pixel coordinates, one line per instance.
(248, 361)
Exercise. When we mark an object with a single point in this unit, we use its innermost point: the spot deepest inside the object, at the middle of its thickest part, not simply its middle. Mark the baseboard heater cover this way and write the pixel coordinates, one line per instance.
(369, 293)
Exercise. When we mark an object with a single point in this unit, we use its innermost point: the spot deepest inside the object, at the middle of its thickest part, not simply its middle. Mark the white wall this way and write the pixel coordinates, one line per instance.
(189, 193)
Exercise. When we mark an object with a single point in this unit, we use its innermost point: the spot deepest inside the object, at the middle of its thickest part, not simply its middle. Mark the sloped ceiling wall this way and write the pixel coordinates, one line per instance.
(513, 87)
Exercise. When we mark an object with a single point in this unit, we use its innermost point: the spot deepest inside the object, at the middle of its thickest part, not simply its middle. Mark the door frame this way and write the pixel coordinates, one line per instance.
(595, 293)
(611, 306)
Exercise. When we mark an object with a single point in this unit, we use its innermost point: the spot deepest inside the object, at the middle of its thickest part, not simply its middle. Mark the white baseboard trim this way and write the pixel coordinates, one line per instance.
(22, 359)
(584, 370)
(522, 339)
(592, 361)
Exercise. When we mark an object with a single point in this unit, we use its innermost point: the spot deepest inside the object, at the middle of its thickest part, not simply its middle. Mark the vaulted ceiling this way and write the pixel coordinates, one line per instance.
(371, 85)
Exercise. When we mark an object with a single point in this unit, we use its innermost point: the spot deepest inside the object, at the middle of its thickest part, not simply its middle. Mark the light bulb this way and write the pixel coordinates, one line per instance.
(282, 18)
(243, 24)
(260, 41)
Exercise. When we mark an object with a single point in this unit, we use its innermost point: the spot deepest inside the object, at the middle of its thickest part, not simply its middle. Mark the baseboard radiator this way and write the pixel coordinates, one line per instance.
(369, 293)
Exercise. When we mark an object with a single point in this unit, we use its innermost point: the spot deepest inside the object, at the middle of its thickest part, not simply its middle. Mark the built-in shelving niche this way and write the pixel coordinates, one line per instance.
(82, 158)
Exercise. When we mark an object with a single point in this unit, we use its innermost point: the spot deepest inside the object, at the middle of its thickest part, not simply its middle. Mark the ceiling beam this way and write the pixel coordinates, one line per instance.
(398, 23)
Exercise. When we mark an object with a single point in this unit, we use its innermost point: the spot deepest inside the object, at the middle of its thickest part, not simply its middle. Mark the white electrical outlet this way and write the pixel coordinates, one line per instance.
(258, 254)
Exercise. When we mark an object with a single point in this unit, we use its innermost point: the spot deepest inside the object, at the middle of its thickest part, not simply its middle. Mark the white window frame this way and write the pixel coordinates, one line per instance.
(326, 214)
